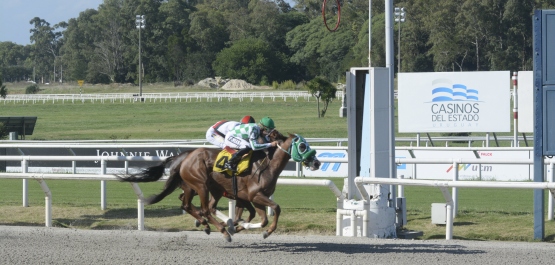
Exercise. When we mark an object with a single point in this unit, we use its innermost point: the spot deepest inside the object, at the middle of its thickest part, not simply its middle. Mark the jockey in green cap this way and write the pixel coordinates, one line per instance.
(244, 138)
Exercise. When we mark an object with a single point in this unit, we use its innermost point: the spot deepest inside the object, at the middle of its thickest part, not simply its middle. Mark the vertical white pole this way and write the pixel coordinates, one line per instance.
(338, 224)
(231, 205)
(24, 169)
(270, 211)
(515, 109)
(369, 33)
(354, 227)
(449, 225)
(550, 199)
(401, 188)
(103, 185)
(47, 203)
(455, 192)
(140, 207)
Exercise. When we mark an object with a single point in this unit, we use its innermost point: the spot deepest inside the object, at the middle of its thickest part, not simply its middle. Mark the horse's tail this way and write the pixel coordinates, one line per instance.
(174, 180)
(149, 174)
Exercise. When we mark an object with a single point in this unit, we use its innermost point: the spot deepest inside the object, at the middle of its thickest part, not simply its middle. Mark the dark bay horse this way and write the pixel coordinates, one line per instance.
(193, 173)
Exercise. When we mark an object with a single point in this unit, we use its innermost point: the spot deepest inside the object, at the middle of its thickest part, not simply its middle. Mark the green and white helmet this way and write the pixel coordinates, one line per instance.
(267, 123)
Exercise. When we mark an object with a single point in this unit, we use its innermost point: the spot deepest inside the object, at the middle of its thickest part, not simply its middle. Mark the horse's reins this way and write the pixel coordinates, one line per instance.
(286, 151)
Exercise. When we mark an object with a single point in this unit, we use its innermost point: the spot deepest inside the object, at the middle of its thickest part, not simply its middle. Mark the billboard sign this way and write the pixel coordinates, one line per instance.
(454, 102)
(525, 91)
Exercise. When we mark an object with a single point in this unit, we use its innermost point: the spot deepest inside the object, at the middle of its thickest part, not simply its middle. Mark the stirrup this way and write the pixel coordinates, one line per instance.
(230, 167)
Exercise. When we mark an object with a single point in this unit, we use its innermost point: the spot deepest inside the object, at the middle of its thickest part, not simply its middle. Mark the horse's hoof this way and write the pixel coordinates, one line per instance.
(265, 234)
(207, 230)
(230, 227)
(197, 223)
(231, 230)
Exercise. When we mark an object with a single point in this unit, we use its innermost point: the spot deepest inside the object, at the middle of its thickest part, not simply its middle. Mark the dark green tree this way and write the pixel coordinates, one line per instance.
(321, 52)
(79, 49)
(250, 59)
(12, 62)
(46, 44)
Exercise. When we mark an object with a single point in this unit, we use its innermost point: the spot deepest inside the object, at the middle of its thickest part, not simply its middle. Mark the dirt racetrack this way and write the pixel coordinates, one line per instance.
(41, 245)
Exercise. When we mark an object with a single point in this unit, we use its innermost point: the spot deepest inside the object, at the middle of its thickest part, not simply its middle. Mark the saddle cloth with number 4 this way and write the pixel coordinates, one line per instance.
(225, 155)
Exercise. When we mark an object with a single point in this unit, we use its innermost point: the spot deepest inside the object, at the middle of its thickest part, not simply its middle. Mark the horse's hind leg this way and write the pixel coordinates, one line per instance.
(212, 206)
(206, 211)
(241, 204)
(186, 198)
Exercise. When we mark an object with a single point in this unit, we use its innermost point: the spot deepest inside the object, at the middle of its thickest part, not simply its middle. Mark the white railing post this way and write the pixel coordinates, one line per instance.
(231, 204)
(24, 168)
(449, 225)
(551, 178)
(140, 206)
(47, 203)
(103, 184)
(401, 188)
(455, 192)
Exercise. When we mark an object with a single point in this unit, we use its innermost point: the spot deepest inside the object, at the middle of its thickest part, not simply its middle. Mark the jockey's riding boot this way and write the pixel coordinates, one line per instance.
(235, 158)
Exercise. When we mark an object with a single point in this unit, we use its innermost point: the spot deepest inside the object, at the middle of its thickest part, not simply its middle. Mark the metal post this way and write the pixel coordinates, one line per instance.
(140, 67)
(399, 18)
(140, 24)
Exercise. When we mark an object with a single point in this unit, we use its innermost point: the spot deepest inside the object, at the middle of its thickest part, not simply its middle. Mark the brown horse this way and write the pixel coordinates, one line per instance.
(194, 173)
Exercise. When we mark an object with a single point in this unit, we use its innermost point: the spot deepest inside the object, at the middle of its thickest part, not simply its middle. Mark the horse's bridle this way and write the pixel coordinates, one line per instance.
(299, 156)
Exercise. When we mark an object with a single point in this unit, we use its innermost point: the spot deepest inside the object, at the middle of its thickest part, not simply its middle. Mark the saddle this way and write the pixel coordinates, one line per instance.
(225, 155)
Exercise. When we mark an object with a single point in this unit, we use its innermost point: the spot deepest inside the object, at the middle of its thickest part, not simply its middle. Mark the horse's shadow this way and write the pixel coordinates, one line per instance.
(360, 248)
(89, 220)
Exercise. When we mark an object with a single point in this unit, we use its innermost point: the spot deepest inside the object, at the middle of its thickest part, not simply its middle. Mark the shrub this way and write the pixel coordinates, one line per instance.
(288, 85)
(32, 89)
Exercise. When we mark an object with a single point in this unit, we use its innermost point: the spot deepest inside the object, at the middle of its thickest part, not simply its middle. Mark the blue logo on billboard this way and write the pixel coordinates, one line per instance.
(454, 105)
(443, 90)
(325, 165)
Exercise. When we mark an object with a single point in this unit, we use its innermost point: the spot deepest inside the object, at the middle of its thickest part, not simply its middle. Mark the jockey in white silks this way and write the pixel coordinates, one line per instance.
(216, 133)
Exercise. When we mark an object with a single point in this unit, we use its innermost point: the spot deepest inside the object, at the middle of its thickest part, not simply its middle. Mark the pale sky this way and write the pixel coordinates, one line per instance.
(16, 14)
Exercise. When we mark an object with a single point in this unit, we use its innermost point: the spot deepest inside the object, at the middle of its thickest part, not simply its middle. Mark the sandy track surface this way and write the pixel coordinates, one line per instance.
(40, 245)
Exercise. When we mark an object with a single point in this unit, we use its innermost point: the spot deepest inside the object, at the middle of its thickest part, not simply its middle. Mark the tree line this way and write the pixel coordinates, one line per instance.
(266, 41)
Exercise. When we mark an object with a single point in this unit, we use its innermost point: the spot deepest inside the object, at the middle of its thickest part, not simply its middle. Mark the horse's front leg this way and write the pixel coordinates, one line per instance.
(261, 210)
(277, 211)
(261, 200)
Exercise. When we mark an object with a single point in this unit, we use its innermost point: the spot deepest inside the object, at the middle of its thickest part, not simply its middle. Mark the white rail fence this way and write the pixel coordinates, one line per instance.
(451, 200)
(443, 185)
(103, 177)
(159, 97)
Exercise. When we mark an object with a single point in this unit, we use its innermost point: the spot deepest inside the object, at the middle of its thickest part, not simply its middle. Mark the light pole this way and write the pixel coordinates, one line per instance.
(400, 18)
(140, 23)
